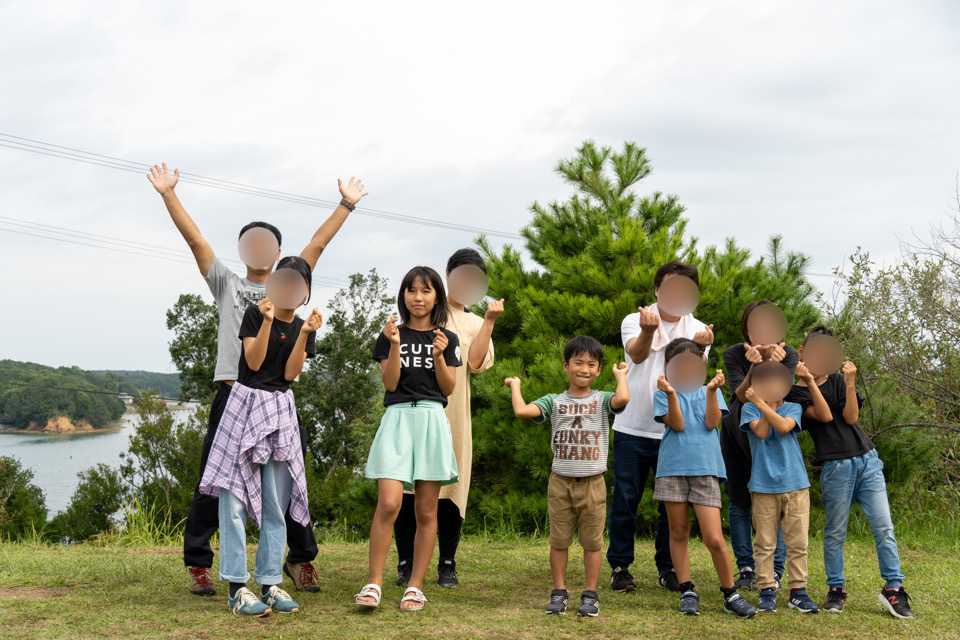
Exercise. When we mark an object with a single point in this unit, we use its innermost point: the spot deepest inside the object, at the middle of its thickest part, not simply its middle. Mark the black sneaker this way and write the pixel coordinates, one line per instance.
(404, 569)
(778, 578)
(747, 579)
(589, 605)
(897, 602)
(447, 573)
(668, 580)
(558, 602)
(836, 598)
(689, 603)
(621, 581)
(735, 603)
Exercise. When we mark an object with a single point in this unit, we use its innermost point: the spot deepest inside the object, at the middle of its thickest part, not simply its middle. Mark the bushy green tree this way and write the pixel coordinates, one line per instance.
(23, 509)
(592, 262)
(100, 494)
(194, 346)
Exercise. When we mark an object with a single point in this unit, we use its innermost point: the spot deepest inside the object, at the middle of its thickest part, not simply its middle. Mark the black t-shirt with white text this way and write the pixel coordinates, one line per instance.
(283, 335)
(833, 440)
(418, 380)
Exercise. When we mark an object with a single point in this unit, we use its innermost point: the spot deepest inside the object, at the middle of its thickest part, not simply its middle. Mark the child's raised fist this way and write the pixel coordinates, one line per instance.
(391, 331)
(665, 386)
(803, 373)
(717, 381)
(620, 370)
(313, 322)
(266, 309)
(510, 382)
(751, 395)
(849, 372)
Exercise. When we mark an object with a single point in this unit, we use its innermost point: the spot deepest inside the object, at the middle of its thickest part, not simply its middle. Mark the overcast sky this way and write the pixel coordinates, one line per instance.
(833, 123)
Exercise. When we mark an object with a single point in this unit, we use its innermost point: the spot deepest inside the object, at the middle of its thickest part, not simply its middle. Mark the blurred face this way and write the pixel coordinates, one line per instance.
(772, 389)
(286, 288)
(677, 295)
(583, 369)
(420, 298)
(822, 354)
(467, 284)
(767, 324)
(259, 249)
(686, 372)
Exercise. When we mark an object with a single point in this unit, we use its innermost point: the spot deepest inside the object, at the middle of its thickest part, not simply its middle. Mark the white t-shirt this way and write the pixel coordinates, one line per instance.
(637, 418)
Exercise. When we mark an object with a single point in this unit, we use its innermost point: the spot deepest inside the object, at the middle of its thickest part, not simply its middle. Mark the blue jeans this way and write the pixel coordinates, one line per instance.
(741, 539)
(634, 458)
(857, 479)
(275, 489)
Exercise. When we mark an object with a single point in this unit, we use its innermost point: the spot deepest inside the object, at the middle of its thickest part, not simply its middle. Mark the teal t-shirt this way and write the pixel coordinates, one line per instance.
(695, 451)
(579, 430)
(777, 461)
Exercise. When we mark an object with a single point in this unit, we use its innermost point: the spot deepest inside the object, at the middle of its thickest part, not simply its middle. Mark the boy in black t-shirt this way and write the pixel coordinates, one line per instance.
(851, 469)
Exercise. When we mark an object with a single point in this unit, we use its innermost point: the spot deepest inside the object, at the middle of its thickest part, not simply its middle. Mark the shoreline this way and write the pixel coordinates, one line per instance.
(39, 432)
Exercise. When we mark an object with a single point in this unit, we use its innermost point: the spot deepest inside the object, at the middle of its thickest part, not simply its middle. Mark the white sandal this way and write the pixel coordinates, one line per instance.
(369, 591)
(415, 596)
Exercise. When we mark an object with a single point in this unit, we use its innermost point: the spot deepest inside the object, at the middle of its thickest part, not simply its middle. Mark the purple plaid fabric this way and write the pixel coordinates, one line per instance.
(257, 425)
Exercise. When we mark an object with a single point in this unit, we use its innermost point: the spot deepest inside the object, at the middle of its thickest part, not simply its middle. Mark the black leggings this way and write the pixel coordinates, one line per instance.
(204, 517)
(449, 524)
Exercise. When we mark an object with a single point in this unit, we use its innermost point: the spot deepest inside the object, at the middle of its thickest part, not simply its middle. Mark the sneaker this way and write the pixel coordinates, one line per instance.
(589, 605)
(768, 601)
(689, 603)
(404, 569)
(668, 580)
(897, 602)
(747, 579)
(558, 602)
(836, 598)
(735, 603)
(304, 576)
(201, 584)
(800, 601)
(446, 574)
(621, 581)
(247, 604)
(279, 600)
(778, 578)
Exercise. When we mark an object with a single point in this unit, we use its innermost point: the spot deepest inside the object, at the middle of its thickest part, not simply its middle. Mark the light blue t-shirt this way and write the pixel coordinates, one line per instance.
(695, 451)
(777, 461)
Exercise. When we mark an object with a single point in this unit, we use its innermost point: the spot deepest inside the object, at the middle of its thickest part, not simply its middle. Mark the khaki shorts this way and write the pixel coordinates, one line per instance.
(577, 503)
(704, 490)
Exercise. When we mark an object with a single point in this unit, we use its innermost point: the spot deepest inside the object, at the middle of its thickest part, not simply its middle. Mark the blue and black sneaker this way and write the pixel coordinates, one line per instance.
(768, 601)
(689, 603)
(278, 600)
(800, 601)
(244, 603)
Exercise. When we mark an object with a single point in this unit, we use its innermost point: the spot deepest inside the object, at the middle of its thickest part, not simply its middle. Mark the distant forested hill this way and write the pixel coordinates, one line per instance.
(167, 384)
(34, 393)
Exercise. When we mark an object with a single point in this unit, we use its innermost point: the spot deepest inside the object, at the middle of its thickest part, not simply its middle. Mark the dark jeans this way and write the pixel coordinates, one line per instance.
(204, 519)
(634, 458)
(449, 523)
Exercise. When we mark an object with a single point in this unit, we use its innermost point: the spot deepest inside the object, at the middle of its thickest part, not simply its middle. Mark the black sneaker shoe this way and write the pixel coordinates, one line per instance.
(404, 569)
(735, 603)
(778, 578)
(621, 581)
(447, 573)
(689, 603)
(668, 580)
(747, 579)
(558, 602)
(589, 605)
(897, 602)
(836, 598)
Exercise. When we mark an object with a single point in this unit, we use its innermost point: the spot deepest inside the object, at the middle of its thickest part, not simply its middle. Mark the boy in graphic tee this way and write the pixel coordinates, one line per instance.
(577, 493)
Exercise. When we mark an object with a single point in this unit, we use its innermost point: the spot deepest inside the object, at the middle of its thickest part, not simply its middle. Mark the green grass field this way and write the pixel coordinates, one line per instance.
(96, 590)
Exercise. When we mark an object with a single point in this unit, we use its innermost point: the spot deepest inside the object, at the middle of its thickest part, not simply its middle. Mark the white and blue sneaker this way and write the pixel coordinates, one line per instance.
(768, 601)
(279, 600)
(800, 601)
(244, 603)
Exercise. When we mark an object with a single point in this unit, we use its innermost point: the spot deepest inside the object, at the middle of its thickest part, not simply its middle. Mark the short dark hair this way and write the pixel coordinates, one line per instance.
(301, 266)
(681, 345)
(677, 268)
(466, 256)
(746, 314)
(580, 345)
(429, 277)
(819, 330)
(770, 369)
(256, 224)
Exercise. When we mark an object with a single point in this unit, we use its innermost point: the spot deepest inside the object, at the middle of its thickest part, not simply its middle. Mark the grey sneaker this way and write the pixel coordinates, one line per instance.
(736, 604)
(558, 602)
(689, 603)
(589, 605)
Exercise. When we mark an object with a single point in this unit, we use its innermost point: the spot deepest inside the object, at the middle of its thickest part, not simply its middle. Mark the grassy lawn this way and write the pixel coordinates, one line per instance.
(94, 590)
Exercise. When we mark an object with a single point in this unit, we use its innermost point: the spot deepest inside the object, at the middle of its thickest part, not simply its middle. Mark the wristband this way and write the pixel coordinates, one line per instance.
(349, 205)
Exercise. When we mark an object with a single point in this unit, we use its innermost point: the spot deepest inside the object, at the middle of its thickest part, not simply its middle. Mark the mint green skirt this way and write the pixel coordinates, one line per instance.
(413, 443)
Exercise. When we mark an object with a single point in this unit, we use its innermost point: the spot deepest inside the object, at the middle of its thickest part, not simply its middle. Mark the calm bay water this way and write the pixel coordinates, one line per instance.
(57, 459)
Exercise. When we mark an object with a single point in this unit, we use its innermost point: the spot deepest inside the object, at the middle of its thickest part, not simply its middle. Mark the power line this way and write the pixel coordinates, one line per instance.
(79, 155)
(104, 392)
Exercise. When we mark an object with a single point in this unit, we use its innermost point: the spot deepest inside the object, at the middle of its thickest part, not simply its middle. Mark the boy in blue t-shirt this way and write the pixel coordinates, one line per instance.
(779, 487)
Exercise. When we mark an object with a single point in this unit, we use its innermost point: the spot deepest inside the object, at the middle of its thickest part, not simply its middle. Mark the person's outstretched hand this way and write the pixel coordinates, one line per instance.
(162, 180)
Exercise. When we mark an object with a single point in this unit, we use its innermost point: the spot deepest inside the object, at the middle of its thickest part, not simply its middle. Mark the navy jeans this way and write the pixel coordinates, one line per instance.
(634, 458)
(741, 539)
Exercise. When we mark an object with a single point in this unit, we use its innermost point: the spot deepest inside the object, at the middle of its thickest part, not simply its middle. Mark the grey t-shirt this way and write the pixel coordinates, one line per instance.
(233, 295)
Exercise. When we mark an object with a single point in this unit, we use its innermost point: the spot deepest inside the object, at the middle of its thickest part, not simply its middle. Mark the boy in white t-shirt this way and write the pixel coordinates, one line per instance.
(636, 440)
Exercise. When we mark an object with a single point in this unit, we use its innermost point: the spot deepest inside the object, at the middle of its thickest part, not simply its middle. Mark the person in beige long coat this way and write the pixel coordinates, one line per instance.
(466, 282)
